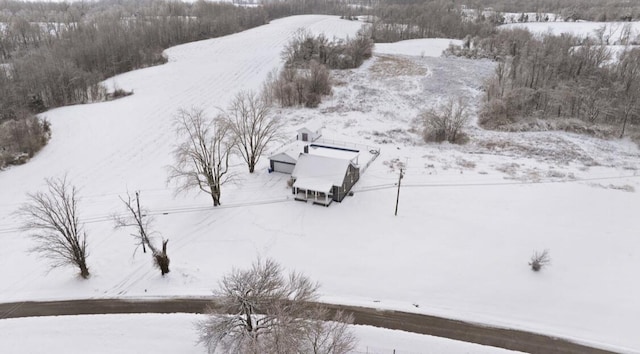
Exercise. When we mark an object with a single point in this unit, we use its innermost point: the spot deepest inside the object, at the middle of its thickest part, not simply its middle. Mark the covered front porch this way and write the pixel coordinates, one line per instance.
(306, 190)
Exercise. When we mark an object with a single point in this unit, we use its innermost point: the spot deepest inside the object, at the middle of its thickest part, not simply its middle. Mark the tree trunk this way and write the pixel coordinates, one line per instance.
(624, 125)
(84, 271)
(162, 259)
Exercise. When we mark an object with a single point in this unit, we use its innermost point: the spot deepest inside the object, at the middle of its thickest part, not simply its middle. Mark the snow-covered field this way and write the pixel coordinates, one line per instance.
(513, 17)
(432, 47)
(155, 333)
(611, 31)
(469, 216)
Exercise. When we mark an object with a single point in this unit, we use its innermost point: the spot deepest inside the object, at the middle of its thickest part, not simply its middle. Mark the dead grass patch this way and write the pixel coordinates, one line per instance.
(465, 163)
(387, 66)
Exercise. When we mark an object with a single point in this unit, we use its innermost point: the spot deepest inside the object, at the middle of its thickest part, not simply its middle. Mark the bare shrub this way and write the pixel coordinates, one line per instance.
(329, 333)
(262, 311)
(494, 115)
(539, 260)
(336, 54)
(22, 138)
(118, 93)
(445, 123)
(318, 79)
(51, 218)
(299, 87)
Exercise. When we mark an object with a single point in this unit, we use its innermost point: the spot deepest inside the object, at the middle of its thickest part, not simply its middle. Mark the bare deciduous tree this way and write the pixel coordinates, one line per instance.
(253, 126)
(262, 311)
(628, 86)
(52, 219)
(446, 122)
(138, 219)
(202, 158)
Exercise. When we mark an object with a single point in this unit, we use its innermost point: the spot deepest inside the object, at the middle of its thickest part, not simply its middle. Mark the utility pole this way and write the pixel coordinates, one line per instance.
(398, 196)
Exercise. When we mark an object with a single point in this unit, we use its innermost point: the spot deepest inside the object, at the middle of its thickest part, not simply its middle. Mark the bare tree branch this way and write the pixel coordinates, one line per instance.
(446, 122)
(253, 126)
(141, 223)
(202, 157)
(271, 313)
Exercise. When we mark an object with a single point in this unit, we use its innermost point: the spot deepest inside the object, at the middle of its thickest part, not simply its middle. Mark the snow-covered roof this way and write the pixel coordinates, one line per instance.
(291, 152)
(312, 126)
(285, 156)
(313, 184)
(320, 170)
(337, 153)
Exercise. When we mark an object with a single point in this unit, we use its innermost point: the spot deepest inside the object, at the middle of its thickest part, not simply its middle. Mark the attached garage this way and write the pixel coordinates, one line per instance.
(283, 162)
(284, 167)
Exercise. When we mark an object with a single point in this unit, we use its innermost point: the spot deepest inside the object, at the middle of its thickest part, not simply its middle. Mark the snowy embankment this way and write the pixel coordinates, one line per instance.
(469, 217)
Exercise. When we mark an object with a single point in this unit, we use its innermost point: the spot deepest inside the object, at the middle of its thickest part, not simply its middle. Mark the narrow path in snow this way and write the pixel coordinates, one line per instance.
(417, 323)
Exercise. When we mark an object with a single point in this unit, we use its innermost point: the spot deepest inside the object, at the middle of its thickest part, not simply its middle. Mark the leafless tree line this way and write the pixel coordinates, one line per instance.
(56, 55)
(51, 217)
(400, 20)
(592, 10)
(348, 53)
(569, 82)
(305, 77)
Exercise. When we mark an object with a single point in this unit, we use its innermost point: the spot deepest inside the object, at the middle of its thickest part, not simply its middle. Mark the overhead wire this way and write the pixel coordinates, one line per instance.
(199, 208)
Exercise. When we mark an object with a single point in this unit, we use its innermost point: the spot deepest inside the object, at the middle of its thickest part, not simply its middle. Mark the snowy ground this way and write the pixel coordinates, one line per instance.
(155, 333)
(469, 216)
(612, 30)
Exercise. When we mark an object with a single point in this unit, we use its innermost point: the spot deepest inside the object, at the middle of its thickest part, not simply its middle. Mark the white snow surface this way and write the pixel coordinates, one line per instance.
(468, 221)
(612, 30)
(175, 333)
(430, 47)
(319, 173)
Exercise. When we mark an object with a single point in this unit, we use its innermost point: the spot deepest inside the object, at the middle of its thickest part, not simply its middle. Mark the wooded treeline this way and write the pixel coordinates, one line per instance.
(55, 54)
(396, 21)
(305, 77)
(591, 10)
(558, 82)
(49, 64)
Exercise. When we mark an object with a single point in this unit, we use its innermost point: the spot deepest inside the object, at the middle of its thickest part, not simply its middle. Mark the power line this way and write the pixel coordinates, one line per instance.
(488, 184)
(198, 208)
(181, 210)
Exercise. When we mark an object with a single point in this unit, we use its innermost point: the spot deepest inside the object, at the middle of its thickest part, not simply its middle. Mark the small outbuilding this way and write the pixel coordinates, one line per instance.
(323, 179)
(310, 132)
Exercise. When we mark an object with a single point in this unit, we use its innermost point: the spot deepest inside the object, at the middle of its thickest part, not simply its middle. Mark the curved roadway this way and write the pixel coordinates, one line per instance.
(424, 324)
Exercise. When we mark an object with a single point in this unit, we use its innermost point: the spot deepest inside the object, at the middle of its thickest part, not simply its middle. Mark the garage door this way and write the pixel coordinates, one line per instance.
(283, 167)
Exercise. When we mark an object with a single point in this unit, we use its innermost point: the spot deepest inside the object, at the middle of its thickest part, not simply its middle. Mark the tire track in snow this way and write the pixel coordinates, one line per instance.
(111, 147)
(478, 333)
